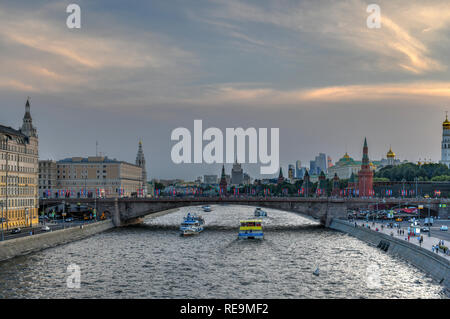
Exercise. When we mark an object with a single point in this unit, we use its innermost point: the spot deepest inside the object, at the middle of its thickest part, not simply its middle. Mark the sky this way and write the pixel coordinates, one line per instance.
(137, 70)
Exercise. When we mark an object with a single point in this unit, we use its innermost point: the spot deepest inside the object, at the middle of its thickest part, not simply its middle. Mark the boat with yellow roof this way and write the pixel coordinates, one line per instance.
(251, 229)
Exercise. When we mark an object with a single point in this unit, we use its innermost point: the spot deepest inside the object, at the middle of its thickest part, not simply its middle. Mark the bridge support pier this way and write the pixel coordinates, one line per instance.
(116, 214)
(333, 210)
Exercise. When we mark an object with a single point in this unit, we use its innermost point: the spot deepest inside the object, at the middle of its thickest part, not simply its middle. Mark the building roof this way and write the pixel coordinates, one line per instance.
(446, 123)
(10, 131)
(390, 154)
(345, 160)
(92, 160)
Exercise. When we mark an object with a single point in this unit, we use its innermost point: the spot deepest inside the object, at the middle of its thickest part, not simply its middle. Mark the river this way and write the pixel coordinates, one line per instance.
(153, 261)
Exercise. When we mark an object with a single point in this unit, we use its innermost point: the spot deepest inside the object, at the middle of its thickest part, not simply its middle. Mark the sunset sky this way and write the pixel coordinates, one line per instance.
(139, 69)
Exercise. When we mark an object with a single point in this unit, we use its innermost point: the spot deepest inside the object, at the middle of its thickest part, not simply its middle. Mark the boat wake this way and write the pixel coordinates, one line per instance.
(231, 228)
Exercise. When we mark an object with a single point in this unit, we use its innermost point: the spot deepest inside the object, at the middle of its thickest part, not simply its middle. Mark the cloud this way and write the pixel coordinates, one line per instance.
(269, 97)
(41, 54)
(398, 45)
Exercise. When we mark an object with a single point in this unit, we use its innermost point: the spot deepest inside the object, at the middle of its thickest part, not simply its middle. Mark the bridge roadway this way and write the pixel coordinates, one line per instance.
(124, 211)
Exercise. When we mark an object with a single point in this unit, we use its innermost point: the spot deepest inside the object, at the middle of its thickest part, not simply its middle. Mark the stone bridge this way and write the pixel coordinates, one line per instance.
(124, 211)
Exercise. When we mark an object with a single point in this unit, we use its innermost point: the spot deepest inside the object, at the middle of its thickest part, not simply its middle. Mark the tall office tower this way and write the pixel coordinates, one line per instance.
(298, 169)
(237, 174)
(291, 172)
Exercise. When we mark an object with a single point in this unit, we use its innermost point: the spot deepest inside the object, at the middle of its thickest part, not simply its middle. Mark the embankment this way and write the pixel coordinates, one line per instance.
(436, 266)
(29, 244)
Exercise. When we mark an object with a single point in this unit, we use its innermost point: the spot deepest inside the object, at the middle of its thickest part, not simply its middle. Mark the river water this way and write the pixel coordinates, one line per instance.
(153, 261)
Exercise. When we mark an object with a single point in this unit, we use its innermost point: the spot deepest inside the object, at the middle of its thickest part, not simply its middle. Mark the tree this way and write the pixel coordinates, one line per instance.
(409, 171)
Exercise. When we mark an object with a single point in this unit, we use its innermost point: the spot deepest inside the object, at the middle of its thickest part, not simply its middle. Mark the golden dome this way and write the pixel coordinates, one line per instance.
(346, 156)
(391, 154)
(446, 123)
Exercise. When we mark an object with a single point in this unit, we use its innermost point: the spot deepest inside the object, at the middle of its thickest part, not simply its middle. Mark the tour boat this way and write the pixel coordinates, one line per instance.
(260, 213)
(251, 229)
(194, 217)
(191, 225)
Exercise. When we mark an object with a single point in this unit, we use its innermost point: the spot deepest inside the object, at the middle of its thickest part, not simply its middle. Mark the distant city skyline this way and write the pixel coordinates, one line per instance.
(135, 71)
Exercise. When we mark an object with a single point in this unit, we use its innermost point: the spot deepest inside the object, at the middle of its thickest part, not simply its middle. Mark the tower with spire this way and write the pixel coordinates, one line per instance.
(280, 177)
(140, 161)
(223, 181)
(237, 174)
(27, 125)
(306, 183)
(445, 146)
(336, 188)
(323, 184)
(365, 175)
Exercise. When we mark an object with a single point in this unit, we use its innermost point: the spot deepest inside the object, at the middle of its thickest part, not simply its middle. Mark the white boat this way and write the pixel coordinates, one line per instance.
(191, 225)
(316, 272)
(260, 213)
(206, 209)
(190, 230)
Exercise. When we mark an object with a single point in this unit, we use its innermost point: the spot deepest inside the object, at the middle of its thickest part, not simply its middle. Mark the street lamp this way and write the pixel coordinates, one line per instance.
(416, 179)
(429, 204)
(3, 236)
(6, 139)
(403, 187)
(26, 213)
(64, 214)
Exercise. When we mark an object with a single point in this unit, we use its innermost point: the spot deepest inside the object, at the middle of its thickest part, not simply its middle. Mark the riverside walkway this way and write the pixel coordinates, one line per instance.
(428, 242)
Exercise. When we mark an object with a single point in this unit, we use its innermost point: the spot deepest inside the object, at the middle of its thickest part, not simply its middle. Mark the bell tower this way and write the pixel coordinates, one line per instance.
(445, 146)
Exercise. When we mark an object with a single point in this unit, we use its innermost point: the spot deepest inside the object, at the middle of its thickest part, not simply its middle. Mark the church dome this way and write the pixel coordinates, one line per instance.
(446, 124)
(345, 160)
(391, 154)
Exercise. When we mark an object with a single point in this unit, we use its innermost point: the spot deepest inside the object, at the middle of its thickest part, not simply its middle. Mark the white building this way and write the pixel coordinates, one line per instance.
(445, 148)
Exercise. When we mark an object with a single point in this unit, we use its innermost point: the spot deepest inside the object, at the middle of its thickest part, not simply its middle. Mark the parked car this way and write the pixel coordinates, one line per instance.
(425, 229)
(45, 228)
(16, 231)
(444, 228)
(68, 220)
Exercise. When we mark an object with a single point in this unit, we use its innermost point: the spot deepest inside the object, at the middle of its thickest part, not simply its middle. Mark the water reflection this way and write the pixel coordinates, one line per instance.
(153, 261)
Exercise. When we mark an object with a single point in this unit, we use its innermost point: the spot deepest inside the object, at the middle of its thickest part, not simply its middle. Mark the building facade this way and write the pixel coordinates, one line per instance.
(210, 179)
(390, 160)
(94, 177)
(19, 165)
(47, 178)
(344, 167)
